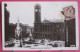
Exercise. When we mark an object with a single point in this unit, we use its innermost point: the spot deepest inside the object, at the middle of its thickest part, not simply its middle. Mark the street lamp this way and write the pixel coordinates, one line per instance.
(66, 31)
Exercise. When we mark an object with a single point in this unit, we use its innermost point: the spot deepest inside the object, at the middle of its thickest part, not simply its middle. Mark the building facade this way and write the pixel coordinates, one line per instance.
(47, 30)
(6, 18)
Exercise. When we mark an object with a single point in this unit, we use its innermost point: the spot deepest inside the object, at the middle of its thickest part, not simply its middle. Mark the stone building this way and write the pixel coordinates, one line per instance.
(46, 29)
(6, 18)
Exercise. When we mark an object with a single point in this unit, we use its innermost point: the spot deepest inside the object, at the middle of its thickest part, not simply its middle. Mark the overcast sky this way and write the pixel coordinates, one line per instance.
(25, 11)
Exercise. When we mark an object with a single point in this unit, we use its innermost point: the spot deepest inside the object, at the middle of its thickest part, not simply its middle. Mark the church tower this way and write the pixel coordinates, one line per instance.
(37, 13)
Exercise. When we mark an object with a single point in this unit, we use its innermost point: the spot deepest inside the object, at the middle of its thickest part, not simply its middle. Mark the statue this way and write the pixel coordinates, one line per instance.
(30, 36)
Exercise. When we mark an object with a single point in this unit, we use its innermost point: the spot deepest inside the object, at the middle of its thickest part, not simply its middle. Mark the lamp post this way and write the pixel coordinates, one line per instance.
(66, 30)
(66, 33)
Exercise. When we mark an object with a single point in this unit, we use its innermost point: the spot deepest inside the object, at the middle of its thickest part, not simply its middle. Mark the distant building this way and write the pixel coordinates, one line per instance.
(12, 28)
(47, 29)
(24, 30)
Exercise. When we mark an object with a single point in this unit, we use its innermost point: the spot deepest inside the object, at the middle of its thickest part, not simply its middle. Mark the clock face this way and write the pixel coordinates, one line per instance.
(68, 11)
(36, 10)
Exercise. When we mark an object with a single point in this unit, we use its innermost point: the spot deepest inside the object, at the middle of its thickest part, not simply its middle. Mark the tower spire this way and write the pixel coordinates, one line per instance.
(18, 21)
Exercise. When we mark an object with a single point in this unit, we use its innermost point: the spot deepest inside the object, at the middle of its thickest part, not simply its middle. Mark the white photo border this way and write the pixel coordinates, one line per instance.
(55, 48)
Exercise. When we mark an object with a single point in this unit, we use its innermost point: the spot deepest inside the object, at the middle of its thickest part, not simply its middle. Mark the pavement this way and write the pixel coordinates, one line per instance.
(39, 44)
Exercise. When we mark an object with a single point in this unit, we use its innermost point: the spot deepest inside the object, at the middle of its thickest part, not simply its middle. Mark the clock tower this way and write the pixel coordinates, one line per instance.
(37, 13)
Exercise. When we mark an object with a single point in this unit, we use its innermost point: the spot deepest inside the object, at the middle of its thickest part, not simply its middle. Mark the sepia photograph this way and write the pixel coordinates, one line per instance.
(40, 25)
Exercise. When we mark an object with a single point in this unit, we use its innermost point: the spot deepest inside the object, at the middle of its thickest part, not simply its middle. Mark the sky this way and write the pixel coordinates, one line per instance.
(24, 11)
